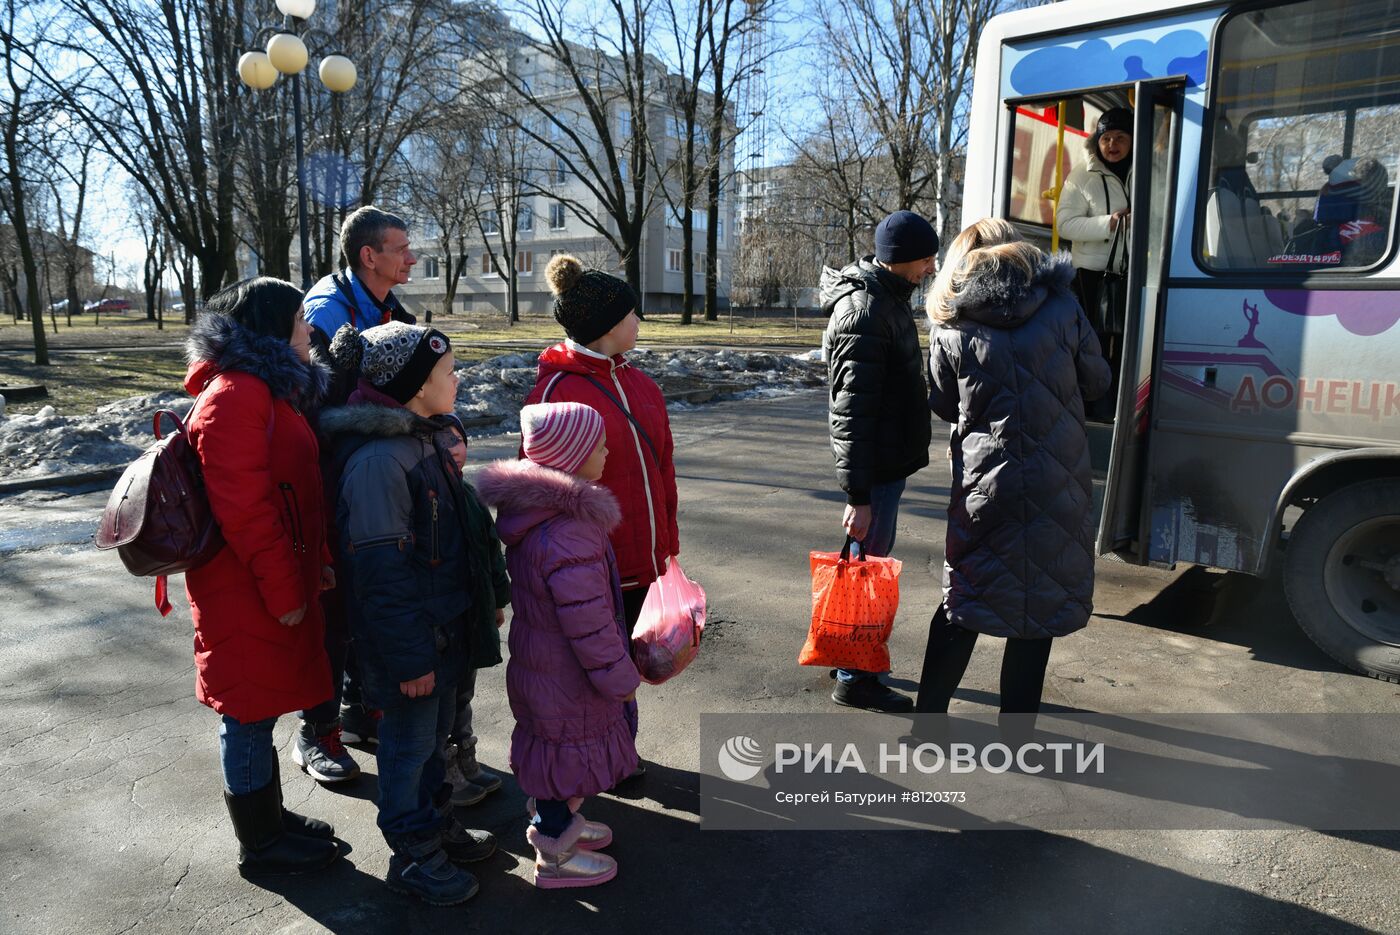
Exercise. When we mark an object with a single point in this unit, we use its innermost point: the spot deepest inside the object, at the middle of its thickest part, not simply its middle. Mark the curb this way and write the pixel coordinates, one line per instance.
(49, 481)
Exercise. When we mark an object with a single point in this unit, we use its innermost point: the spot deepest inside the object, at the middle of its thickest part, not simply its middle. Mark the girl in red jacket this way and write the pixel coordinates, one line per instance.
(600, 318)
(258, 639)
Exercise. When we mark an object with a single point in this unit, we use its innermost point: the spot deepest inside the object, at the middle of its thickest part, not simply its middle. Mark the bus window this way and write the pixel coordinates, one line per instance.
(1303, 154)
(1035, 139)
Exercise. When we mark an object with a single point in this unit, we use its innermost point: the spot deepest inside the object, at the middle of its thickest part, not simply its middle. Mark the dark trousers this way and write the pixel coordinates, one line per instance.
(552, 817)
(632, 602)
(345, 687)
(945, 660)
(1089, 283)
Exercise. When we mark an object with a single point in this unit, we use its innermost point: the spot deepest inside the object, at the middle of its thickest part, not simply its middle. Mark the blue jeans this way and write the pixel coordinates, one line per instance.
(879, 542)
(411, 767)
(246, 754)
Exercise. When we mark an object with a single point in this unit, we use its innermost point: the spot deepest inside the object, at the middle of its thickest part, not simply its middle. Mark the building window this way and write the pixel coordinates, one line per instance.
(719, 230)
(674, 219)
(624, 124)
(488, 269)
(698, 219)
(561, 170)
(622, 167)
(556, 216)
(525, 262)
(430, 267)
(490, 223)
(674, 260)
(525, 219)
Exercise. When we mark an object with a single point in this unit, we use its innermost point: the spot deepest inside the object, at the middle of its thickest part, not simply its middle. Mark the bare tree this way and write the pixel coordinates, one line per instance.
(154, 237)
(832, 173)
(70, 152)
(680, 165)
(908, 64)
(585, 104)
(726, 22)
(21, 115)
(157, 86)
(441, 182)
(499, 179)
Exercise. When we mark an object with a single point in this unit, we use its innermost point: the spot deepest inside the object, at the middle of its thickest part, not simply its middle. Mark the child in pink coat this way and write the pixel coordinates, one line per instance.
(570, 678)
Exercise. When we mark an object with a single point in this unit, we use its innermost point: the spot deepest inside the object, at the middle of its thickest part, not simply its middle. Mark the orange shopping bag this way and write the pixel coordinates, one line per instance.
(853, 608)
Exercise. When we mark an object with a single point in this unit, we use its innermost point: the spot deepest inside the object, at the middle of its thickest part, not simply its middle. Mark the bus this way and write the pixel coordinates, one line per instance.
(1257, 419)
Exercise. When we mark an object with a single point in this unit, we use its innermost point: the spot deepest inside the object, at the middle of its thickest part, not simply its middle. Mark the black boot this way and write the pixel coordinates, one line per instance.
(299, 824)
(264, 846)
(871, 694)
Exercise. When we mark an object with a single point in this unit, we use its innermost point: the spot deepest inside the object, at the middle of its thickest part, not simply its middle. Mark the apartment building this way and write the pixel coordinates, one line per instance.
(551, 199)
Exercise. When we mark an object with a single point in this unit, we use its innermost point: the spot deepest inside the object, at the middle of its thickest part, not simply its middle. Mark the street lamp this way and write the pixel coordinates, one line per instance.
(287, 55)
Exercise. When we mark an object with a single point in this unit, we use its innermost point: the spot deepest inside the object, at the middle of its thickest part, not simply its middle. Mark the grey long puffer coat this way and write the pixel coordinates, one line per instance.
(1012, 373)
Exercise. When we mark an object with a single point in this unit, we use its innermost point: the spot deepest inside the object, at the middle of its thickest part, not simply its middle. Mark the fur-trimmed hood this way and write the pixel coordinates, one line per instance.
(217, 344)
(526, 494)
(375, 421)
(1003, 298)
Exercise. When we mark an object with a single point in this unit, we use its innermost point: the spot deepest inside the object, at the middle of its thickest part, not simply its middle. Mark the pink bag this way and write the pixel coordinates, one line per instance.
(668, 631)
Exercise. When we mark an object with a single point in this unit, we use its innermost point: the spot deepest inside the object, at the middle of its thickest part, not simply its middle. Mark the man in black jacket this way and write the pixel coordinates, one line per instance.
(879, 417)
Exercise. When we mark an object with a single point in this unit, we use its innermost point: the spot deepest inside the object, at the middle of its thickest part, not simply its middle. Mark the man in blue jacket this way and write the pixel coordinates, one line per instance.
(378, 257)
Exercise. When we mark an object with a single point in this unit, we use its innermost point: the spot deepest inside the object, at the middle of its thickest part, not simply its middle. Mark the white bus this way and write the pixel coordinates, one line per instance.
(1258, 416)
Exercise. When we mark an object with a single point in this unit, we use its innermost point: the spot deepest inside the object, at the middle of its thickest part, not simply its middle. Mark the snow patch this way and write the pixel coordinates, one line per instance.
(491, 392)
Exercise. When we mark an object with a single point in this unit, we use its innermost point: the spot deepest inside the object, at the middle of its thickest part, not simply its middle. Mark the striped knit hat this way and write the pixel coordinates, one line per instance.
(560, 435)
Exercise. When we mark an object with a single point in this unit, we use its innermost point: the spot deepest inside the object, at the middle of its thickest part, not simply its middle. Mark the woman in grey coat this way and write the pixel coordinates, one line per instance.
(1012, 361)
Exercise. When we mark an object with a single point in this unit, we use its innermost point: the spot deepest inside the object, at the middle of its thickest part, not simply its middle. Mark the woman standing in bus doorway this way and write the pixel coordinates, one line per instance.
(1012, 360)
(1094, 212)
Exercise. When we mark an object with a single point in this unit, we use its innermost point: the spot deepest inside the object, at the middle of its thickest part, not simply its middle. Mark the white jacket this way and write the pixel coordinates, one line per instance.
(1083, 215)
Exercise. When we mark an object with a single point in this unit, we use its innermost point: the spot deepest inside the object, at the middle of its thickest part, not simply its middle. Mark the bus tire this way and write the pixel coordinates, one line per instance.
(1342, 576)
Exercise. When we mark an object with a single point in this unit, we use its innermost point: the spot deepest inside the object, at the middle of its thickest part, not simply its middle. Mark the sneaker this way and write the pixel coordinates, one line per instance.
(871, 694)
(323, 756)
(433, 878)
(359, 724)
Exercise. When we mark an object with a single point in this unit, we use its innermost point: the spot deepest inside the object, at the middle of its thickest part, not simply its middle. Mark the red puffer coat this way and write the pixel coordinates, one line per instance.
(260, 470)
(644, 484)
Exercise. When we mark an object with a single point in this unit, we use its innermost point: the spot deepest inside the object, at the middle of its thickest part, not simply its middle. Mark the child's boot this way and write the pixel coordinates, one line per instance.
(420, 867)
(595, 835)
(561, 863)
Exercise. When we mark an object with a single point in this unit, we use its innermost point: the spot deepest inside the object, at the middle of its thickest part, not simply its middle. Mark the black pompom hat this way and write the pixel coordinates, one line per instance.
(588, 303)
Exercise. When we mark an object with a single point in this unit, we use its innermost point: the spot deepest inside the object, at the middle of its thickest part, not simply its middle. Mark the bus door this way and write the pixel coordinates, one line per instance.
(1124, 523)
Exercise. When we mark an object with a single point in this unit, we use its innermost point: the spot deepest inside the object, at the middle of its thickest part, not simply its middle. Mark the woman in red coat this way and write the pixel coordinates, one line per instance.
(599, 316)
(259, 640)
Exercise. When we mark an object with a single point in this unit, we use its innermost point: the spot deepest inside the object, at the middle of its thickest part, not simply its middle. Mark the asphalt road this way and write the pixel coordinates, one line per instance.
(112, 819)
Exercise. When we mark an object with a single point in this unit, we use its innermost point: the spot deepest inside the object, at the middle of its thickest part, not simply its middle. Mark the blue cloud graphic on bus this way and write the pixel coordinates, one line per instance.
(1095, 62)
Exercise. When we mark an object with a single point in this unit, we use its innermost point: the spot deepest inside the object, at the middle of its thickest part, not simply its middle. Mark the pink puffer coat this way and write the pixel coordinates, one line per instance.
(570, 667)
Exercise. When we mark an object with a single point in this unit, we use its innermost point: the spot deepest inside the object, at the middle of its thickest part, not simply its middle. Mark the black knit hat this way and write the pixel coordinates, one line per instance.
(588, 302)
(397, 359)
(1116, 118)
(904, 237)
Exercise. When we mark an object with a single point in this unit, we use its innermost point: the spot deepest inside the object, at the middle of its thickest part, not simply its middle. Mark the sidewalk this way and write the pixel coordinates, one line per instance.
(113, 819)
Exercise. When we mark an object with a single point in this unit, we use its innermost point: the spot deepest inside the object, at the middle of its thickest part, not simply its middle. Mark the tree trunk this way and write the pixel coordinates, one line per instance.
(712, 186)
(688, 263)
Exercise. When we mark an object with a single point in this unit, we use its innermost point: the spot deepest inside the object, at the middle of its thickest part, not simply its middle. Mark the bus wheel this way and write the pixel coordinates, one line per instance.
(1342, 576)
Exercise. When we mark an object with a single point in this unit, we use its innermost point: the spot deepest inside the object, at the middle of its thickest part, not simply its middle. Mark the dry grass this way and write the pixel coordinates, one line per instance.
(145, 360)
